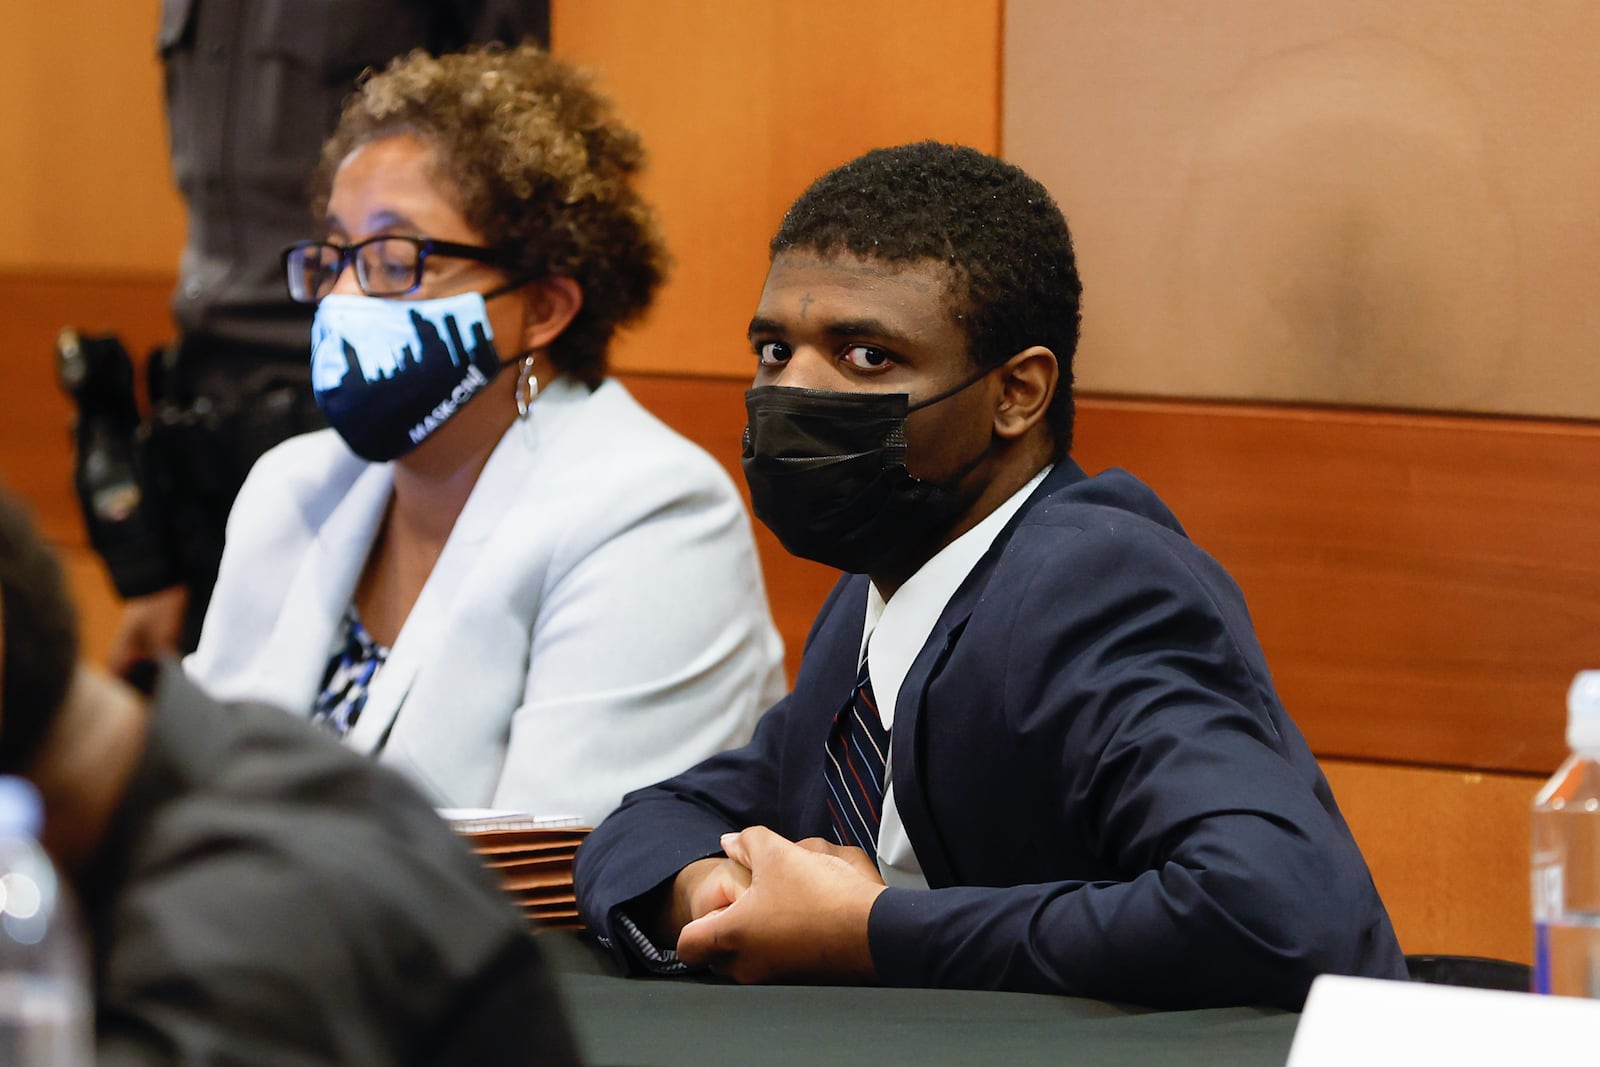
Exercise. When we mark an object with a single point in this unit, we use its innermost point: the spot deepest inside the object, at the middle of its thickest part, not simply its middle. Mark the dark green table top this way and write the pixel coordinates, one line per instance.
(642, 1022)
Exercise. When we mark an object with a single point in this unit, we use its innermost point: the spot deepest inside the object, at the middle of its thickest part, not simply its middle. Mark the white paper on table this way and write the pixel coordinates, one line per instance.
(1376, 1022)
(479, 820)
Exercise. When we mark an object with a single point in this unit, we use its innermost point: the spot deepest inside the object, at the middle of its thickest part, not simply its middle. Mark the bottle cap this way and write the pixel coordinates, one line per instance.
(1583, 712)
(21, 810)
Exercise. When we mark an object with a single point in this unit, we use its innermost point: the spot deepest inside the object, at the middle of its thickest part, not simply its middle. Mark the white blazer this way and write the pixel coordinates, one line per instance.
(595, 623)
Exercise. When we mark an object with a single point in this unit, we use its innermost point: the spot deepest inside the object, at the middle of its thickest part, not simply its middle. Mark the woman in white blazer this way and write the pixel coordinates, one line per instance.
(496, 571)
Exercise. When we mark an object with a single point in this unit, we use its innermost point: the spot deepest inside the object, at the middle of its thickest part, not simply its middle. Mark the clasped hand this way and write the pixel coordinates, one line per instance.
(779, 910)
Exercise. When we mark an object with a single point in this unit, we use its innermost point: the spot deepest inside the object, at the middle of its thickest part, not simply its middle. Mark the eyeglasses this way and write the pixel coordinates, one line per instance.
(385, 266)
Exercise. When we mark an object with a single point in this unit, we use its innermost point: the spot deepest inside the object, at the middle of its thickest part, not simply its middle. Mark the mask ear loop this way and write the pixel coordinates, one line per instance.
(527, 387)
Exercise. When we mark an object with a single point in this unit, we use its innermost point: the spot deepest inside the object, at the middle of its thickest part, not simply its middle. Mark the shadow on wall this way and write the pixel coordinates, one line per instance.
(1340, 237)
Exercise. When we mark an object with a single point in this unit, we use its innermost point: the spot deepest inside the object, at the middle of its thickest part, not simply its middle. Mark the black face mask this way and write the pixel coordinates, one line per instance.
(827, 475)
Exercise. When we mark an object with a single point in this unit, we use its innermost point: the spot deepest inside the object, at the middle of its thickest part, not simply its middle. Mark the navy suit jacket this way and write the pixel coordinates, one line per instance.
(1104, 792)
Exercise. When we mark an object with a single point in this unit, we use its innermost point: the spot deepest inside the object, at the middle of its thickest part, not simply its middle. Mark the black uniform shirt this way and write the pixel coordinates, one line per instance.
(269, 897)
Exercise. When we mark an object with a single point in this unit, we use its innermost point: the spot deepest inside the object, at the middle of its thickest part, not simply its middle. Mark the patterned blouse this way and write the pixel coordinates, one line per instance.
(354, 660)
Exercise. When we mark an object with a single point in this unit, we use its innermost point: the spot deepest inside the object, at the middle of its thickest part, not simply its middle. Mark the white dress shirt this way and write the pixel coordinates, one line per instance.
(895, 632)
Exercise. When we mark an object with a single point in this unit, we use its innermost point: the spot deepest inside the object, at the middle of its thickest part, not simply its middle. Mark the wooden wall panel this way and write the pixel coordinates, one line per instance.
(1448, 851)
(1425, 586)
(86, 185)
(1355, 202)
(742, 103)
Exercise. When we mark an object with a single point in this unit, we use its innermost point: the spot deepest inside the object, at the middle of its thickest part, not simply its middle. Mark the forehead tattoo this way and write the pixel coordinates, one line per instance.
(805, 305)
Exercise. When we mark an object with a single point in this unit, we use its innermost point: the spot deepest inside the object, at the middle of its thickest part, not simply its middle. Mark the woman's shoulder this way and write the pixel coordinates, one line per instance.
(652, 449)
(303, 469)
(308, 457)
(615, 467)
(618, 403)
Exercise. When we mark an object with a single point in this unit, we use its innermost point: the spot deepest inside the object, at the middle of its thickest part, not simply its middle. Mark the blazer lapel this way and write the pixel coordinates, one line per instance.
(909, 741)
(430, 624)
(294, 655)
(908, 744)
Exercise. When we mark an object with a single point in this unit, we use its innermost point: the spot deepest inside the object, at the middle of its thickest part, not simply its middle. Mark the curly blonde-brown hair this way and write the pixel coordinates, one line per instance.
(536, 160)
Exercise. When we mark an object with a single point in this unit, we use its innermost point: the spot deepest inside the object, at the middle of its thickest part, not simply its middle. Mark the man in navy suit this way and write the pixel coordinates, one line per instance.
(1033, 744)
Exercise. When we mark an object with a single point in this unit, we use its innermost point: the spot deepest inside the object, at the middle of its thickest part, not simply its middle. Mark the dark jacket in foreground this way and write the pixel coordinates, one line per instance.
(267, 897)
(1103, 790)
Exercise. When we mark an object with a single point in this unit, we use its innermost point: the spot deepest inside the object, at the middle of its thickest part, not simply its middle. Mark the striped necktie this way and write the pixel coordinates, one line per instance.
(856, 753)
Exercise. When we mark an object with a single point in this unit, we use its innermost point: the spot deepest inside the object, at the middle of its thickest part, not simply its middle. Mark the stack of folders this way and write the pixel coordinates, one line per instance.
(532, 857)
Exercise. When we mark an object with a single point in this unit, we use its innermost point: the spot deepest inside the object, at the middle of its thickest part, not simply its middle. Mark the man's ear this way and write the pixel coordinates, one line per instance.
(1027, 385)
(552, 305)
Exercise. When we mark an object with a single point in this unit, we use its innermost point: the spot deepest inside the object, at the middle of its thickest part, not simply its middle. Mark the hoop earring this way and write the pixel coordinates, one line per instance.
(527, 388)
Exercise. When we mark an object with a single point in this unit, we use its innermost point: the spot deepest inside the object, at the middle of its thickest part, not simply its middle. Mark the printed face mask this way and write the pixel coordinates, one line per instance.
(388, 373)
(827, 475)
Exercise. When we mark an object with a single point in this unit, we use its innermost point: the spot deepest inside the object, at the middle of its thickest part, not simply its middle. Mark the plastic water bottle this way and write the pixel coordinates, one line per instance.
(1566, 856)
(46, 1013)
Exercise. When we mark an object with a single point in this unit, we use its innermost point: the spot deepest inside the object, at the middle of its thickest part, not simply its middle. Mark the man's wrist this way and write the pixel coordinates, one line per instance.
(677, 909)
(660, 913)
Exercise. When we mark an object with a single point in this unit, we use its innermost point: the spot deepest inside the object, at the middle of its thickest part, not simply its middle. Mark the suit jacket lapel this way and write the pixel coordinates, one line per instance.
(910, 739)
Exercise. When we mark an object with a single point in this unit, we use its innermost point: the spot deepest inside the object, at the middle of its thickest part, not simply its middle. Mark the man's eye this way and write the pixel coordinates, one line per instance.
(865, 357)
(772, 353)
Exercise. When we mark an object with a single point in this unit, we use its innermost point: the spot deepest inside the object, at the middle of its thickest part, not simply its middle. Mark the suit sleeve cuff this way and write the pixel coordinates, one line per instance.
(897, 938)
(645, 952)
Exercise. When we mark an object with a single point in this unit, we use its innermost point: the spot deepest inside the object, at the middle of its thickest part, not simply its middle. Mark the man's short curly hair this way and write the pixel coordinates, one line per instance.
(536, 160)
(1014, 278)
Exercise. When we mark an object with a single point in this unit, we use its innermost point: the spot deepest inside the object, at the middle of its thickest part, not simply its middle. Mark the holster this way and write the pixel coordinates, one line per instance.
(155, 492)
(209, 422)
(115, 490)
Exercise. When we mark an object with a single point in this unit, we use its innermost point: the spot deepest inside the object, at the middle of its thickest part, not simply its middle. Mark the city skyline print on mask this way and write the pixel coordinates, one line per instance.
(388, 373)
